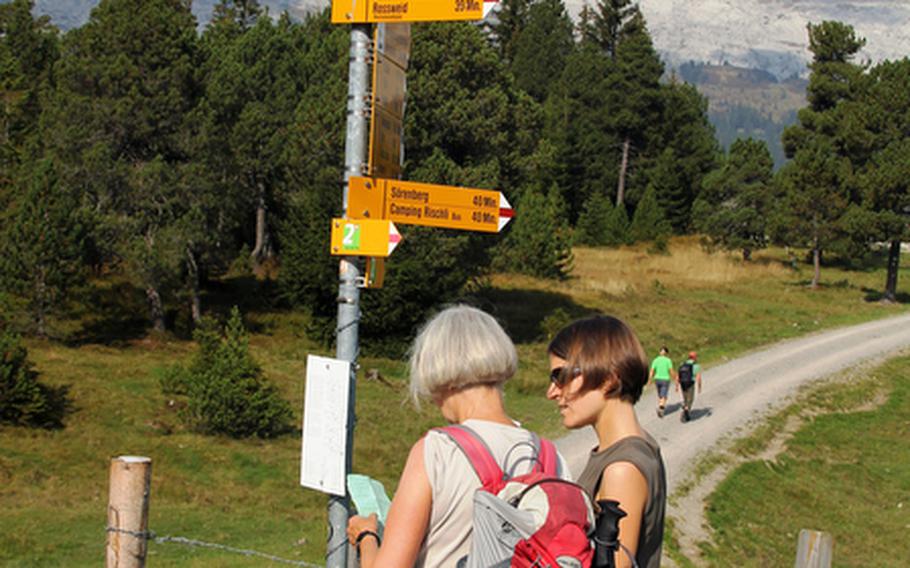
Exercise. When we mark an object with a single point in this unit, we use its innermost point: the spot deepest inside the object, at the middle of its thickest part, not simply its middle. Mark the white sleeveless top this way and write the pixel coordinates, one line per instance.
(454, 482)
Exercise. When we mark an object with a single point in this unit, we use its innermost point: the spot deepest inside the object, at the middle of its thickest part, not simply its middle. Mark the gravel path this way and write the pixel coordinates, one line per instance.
(737, 394)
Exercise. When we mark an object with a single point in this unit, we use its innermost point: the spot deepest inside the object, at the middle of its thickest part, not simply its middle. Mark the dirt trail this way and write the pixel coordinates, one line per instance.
(739, 393)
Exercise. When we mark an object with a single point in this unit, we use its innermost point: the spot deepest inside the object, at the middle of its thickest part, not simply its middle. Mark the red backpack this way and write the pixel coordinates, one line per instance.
(535, 519)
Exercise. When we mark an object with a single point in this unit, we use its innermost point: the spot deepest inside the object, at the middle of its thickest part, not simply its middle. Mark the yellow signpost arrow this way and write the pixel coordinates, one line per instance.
(364, 237)
(430, 205)
(370, 11)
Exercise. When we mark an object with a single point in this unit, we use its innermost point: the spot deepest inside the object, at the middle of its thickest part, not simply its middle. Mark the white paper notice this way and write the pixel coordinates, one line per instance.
(325, 425)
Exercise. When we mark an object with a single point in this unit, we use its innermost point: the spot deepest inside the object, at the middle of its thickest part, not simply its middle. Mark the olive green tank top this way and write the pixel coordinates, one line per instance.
(643, 453)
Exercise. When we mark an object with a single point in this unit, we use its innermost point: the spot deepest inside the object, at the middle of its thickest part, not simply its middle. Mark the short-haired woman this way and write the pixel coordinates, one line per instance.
(598, 370)
(460, 361)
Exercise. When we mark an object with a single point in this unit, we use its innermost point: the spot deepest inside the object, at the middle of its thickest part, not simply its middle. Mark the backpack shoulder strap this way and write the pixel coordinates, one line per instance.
(547, 460)
(477, 452)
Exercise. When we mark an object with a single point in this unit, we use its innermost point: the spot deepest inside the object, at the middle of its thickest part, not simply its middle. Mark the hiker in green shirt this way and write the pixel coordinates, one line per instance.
(661, 373)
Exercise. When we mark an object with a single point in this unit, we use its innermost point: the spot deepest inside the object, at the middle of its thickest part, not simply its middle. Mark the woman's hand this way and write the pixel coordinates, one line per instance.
(358, 524)
(364, 528)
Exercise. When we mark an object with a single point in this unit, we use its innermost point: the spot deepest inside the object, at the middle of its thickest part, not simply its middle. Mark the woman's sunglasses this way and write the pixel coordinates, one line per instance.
(560, 377)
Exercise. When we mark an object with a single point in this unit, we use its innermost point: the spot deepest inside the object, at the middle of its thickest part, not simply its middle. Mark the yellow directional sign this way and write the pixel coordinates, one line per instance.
(390, 60)
(430, 205)
(374, 272)
(364, 237)
(369, 11)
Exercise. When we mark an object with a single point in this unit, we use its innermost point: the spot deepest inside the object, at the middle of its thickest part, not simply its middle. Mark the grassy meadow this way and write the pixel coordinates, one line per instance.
(53, 484)
(845, 472)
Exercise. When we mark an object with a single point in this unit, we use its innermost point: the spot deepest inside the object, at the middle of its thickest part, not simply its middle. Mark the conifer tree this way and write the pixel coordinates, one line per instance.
(28, 50)
(610, 23)
(225, 389)
(126, 83)
(23, 400)
(542, 47)
(649, 221)
(616, 231)
(685, 129)
(240, 13)
(887, 190)
(736, 200)
(539, 244)
(817, 182)
(812, 203)
(253, 92)
(633, 93)
(41, 251)
(309, 275)
(511, 19)
(885, 113)
(591, 228)
(578, 124)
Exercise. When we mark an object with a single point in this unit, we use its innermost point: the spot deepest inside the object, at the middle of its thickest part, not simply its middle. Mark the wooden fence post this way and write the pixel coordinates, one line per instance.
(814, 550)
(128, 512)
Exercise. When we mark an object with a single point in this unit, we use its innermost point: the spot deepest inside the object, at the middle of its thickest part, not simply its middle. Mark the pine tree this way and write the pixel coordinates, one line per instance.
(224, 387)
(685, 129)
(737, 199)
(240, 13)
(23, 400)
(617, 228)
(511, 19)
(591, 228)
(612, 22)
(253, 90)
(309, 275)
(578, 125)
(649, 221)
(126, 83)
(539, 244)
(818, 181)
(542, 47)
(812, 204)
(633, 93)
(28, 49)
(41, 251)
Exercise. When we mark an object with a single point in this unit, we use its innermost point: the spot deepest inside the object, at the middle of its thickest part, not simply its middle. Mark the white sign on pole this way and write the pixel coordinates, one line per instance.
(325, 425)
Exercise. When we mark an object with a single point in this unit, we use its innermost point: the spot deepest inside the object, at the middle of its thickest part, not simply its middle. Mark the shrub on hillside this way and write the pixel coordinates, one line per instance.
(23, 400)
(225, 390)
(539, 244)
(649, 221)
(590, 230)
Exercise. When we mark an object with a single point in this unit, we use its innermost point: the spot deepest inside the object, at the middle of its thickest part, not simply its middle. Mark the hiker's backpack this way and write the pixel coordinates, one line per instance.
(686, 375)
(536, 519)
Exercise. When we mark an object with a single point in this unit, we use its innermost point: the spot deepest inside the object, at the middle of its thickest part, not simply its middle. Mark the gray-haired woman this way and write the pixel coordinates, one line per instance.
(460, 361)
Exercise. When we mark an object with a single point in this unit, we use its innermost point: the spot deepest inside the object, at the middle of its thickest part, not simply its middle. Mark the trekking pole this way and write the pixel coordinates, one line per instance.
(606, 535)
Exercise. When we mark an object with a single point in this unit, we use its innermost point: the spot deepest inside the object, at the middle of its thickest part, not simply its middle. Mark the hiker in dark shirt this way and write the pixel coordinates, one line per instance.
(687, 377)
(598, 370)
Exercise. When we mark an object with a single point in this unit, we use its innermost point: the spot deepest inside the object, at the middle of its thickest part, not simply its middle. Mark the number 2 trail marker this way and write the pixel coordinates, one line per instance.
(364, 237)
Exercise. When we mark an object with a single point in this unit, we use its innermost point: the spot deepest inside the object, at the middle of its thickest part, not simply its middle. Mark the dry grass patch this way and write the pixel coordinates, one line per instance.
(630, 269)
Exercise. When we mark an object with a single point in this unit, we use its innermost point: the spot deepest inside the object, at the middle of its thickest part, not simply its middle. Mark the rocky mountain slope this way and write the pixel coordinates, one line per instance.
(759, 34)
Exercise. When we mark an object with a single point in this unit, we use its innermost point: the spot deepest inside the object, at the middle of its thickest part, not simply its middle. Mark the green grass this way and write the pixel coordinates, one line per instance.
(846, 473)
(53, 485)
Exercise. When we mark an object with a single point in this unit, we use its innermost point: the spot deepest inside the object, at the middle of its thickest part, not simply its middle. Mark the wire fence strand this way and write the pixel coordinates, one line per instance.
(149, 535)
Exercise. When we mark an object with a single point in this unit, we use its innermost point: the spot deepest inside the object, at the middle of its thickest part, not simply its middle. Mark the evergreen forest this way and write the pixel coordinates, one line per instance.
(140, 154)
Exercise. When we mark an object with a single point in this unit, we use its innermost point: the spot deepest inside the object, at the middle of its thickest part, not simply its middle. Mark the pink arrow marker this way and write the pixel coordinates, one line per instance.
(394, 237)
(489, 6)
(505, 211)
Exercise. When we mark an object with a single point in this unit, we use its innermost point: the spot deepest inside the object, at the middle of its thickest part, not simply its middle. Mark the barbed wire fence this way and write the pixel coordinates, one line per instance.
(150, 536)
(127, 529)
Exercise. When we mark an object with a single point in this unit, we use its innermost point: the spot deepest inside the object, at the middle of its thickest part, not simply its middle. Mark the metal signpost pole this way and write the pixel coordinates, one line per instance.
(355, 151)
